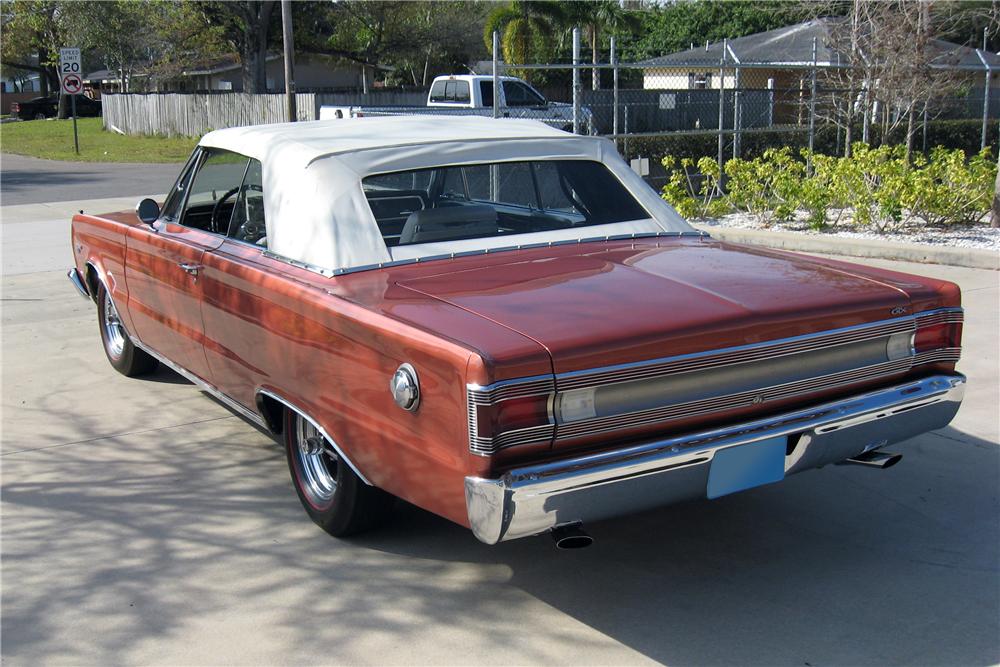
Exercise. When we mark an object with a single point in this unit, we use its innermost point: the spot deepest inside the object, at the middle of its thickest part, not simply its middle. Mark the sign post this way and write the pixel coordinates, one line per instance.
(71, 83)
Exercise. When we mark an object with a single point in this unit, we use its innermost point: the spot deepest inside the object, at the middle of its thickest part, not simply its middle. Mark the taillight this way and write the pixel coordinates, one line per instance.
(505, 416)
(513, 414)
(938, 337)
(15, 107)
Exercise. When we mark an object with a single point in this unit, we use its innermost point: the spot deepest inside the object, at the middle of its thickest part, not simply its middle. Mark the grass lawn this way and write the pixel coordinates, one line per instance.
(53, 140)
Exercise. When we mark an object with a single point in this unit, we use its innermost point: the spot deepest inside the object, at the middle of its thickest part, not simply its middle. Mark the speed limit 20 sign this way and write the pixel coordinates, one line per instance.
(70, 80)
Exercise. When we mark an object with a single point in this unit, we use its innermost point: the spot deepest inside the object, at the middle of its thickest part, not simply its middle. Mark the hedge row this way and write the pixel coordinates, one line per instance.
(960, 134)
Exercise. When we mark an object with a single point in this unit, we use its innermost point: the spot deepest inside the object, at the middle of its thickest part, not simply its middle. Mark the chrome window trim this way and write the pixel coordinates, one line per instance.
(524, 246)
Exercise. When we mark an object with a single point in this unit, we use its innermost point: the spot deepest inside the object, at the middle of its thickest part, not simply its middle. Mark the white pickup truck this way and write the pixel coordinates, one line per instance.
(472, 95)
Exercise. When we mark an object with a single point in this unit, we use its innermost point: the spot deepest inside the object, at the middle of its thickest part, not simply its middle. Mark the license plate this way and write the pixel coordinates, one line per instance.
(747, 466)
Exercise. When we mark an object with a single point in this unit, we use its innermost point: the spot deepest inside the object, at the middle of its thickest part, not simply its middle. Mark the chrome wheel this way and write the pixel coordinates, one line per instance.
(114, 332)
(318, 463)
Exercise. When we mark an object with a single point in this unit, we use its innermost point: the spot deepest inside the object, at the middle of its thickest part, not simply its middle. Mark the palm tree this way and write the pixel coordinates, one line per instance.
(596, 16)
(520, 23)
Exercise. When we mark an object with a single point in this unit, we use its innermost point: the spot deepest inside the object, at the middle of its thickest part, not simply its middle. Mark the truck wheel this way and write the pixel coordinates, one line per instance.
(39, 116)
(334, 497)
(125, 357)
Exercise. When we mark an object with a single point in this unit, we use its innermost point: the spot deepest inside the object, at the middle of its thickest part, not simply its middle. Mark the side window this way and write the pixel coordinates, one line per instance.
(172, 206)
(517, 185)
(247, 223)
(552, 189)
(514, 183)
(453, 186)
(519, 95)
(212, 195)
(486, 92)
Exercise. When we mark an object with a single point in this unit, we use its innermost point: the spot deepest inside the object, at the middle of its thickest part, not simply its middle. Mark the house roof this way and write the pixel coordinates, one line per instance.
(791, 46)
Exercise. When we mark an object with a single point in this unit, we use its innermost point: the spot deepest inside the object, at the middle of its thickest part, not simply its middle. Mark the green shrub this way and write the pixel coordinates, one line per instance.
(876, 186)
(767, 187)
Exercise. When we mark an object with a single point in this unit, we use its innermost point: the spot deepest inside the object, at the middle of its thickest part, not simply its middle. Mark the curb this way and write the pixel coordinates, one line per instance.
(831, 245)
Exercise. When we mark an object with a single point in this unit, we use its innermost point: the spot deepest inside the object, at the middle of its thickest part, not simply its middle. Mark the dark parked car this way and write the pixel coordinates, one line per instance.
(48, 107)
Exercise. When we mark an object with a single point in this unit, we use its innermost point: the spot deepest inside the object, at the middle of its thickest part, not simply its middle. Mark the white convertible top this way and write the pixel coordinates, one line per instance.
(316, 211)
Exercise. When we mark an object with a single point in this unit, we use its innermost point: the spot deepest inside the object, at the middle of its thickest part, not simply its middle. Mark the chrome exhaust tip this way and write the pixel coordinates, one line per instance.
(571, 537)
(875, 459)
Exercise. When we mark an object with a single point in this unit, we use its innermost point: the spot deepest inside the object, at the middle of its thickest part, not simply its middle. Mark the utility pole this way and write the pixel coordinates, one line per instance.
(286, 38)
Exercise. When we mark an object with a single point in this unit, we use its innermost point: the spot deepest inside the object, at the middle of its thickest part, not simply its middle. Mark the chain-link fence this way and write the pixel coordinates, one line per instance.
(798, 94)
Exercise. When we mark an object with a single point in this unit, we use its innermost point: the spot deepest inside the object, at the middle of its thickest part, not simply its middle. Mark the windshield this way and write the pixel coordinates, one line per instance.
(450, 203)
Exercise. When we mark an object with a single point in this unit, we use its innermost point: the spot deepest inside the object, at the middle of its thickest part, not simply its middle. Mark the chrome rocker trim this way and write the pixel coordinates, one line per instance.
(533, 499)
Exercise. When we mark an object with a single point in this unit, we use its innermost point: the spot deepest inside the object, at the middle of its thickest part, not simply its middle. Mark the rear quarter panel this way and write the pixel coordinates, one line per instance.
(270, 325)
(98, 243)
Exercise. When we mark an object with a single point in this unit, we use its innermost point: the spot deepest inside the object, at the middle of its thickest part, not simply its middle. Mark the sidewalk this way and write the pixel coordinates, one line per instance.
(871, 248)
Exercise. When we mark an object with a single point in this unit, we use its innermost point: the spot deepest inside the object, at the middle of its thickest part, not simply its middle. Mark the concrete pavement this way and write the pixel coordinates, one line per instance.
(143, 523)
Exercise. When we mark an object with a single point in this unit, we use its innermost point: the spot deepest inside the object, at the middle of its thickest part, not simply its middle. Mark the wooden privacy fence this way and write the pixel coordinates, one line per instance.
(194, 114)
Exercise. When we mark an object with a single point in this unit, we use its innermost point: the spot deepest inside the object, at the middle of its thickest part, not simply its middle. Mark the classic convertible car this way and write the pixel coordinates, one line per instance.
(502, 324)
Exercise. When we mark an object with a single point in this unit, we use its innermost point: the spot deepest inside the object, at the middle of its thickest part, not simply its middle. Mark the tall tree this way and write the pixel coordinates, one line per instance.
(522, 25)
(596, 17)
(245, 24)
(33, 32)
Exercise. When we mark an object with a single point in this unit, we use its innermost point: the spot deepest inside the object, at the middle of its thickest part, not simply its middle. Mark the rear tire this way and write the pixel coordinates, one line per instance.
(334, 497)
(40, 116)
(122, 354)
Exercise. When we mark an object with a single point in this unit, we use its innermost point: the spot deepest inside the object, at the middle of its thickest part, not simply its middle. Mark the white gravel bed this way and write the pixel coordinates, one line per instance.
(981, 237)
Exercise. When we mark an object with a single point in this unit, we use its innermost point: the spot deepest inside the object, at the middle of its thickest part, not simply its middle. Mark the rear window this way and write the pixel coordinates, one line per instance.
(450, 203)
(444, 90)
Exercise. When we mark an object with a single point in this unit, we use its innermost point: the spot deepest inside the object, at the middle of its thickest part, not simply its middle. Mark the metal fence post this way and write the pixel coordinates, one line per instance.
(986, 98)
(722, 105)
(496, 74)
(812, 111)
(576, 80)
(614, 69)
(737, 102)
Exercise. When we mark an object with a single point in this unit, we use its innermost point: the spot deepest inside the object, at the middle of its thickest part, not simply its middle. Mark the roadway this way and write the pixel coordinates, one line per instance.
(142, 522)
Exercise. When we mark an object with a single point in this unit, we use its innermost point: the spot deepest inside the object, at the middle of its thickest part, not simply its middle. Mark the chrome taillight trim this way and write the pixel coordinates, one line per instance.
(753, 352)
(940, 316)
(743, 399)
(547, 385)
(480, 396)
(734, 355)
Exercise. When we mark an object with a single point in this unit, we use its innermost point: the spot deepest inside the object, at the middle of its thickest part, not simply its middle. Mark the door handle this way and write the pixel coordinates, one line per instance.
(190, 268)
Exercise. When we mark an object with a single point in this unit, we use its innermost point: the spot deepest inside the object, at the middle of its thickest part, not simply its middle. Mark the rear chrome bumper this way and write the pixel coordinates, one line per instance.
(77, 280)
(533, 499)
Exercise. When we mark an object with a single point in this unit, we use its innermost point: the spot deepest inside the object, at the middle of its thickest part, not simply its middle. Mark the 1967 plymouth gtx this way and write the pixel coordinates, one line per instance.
(501, 323)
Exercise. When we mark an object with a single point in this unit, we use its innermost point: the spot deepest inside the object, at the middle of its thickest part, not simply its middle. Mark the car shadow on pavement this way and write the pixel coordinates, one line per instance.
(843, 565)
(129, 544)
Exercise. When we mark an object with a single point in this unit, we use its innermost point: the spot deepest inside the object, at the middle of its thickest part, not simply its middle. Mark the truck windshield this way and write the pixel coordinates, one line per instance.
(450, 203)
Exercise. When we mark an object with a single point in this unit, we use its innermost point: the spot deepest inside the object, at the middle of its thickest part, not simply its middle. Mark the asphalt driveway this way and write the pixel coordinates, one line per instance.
(28, 180)
(142, 522)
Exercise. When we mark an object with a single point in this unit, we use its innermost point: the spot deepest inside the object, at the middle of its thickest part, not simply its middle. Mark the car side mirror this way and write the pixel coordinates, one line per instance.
(148, 210)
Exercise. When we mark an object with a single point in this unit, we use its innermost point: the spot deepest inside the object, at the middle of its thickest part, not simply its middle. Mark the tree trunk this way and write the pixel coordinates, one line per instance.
(63, 112)
(911, 118)
(254, 47)
(43, 78)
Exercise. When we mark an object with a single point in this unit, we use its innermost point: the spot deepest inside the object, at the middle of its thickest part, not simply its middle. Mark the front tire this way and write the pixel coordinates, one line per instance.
(123, 355)
(334, 497)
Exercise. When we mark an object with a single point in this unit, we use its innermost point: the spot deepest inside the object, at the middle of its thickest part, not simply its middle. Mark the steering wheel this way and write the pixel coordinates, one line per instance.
(214, 222)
